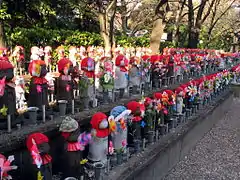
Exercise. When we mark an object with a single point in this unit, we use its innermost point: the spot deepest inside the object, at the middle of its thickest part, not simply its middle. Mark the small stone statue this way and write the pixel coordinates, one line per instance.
(18, 58)
(98, 148)
(48, 57)
(64, 83)
(121, 74)
(37, 144)
(71, 132)
(146, 66)
(179, 100)
(120, 116)
(73, 55)
(7, 92)
(106, 79)
(135, 74)
(39, 85)
(137, 114)
(87, 81)
(150, 116)
(35, 53)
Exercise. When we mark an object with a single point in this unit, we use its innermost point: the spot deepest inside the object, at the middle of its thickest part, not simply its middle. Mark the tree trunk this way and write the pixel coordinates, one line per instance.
(193, 39)
(157, 32)
(104, 31)
(2, 35)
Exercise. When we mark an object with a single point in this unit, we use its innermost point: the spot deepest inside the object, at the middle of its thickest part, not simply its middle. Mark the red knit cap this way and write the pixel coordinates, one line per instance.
(134, 106)
(62, 63)
(178, 90)
(147, 101)
(169, 92)
(121, 58)
(157, 96)
(155, 58)
(146, 58)
(33, 64)
(85, 63)
(5, 65)
(97, 118)
(39, 138)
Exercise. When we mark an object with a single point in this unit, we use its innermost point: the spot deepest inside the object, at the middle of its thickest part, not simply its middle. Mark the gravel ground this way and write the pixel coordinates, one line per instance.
(217, 155)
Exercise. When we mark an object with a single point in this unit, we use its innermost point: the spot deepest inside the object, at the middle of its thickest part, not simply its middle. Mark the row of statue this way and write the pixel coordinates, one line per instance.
(134, 125)
(89, 77)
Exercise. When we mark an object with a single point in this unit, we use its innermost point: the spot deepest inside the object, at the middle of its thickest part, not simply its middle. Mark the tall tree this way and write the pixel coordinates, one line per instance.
(106, 11)
(220, 9)
(195, 21)
(159, 23)
(3, 17)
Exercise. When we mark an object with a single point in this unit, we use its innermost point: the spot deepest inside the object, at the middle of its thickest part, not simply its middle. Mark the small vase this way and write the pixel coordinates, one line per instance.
(32, 111)
(119, 158)
(62, 107)
(188, 113)
(70, 178)
(105, 97)
(163, 130)
(125, 156)
(137, 146)
(99, 170)
(113, 159)
(86, 103)
(151, 137)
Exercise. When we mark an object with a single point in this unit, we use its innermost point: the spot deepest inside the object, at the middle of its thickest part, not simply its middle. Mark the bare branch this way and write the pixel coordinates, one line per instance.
(208, 12)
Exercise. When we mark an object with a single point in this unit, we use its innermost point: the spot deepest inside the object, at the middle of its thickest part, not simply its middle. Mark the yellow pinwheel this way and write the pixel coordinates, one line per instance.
(4, 110)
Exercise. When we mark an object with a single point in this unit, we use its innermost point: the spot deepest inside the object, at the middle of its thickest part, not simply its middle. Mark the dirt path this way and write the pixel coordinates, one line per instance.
(217, 155)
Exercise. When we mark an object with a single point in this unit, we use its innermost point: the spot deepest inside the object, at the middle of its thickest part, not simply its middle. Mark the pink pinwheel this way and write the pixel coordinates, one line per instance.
(68, 87)
(39, 89)
(124, 143)
(2, 86)
(111, 149)
(36, 155)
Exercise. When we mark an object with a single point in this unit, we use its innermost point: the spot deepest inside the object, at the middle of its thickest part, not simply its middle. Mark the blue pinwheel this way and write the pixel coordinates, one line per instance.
(143, 124)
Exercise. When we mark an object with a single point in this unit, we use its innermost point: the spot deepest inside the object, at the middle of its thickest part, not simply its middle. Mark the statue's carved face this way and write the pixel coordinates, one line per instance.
(43, 71)
(8, 73)
(103, 124)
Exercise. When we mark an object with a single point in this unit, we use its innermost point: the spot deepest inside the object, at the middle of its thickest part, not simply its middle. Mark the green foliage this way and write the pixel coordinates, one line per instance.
(53, 37)
(3, 12)
(221, 40)
(126, 41)
(166, 44)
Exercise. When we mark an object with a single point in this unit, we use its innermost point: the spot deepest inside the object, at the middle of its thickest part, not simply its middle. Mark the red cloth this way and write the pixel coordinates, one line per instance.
(72, 147)
(4, 58)
(178, 90)
(85, 66)
(156, 58)
(97, 118)
(46, 158)
(39, 138)
(147, 101)
(5, 65)
(39, 80)
(146, 58)
(169, 92)
(122, 62)
(134, 106)
(30, 67)
(62, 63)
(157, 96)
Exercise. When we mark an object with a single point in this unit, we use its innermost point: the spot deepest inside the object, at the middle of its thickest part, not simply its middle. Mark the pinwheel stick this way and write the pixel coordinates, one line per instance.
(73, 106)
(44, 113)
(9, 123)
